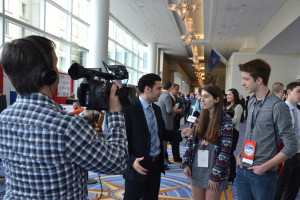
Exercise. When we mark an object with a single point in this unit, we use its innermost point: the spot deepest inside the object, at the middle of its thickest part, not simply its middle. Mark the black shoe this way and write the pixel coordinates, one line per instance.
(178, 160)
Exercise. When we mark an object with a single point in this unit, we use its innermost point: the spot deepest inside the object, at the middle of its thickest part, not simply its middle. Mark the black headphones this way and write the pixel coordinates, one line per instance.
(48, 75)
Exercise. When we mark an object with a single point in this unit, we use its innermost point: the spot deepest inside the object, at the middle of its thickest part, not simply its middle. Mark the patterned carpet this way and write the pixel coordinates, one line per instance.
(174, 184)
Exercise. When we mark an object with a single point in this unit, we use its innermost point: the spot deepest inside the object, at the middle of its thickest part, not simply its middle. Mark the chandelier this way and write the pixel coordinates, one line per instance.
(182, 7)
(189, 37)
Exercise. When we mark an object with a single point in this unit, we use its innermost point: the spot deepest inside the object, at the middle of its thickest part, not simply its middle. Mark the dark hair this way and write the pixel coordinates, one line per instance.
(292, 85)
(147, 80)
(24, 63)
(211, 132)
(277, 86)
(167, 85)
(174, 85)
(235, 96)
(199, 90)
(257, 68)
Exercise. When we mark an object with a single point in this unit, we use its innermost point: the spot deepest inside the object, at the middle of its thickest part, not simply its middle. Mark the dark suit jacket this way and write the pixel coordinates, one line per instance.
(177, 117)
(139, 137)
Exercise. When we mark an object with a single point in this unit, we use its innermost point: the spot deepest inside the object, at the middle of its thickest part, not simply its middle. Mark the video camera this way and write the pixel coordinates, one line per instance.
(94, 92)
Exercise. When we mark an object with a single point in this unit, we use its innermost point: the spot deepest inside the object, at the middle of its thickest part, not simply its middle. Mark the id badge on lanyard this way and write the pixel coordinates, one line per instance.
(249, 152)
(203, 156)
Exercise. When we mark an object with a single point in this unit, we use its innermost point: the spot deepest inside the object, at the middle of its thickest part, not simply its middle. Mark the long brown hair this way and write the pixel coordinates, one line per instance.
(211, 132)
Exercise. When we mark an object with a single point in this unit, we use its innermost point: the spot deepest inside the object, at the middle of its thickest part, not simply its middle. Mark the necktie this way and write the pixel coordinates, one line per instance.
(153, 131)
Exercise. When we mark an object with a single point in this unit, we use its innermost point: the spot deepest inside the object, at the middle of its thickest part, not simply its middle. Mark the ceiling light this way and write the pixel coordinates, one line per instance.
(189, 37)
(182, 7)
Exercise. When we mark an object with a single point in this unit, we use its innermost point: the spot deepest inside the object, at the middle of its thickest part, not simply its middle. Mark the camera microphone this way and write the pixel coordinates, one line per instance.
(77, 71)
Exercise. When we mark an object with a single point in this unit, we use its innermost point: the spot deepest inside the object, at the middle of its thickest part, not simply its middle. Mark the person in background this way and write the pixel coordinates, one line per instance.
(186, 106)
(278, 89)
(212, 145)
(77, 108)
(269, 121)
(168, 111)
(289, 179)
(235, 110)
(47, 152)
(72, 99)
(178, 104)
(198, 104)
(243, 104)
(284, 96)
(146, 132)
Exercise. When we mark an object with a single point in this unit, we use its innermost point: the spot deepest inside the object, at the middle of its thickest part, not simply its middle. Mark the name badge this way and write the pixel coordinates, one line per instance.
(202, 158)
(249, 152)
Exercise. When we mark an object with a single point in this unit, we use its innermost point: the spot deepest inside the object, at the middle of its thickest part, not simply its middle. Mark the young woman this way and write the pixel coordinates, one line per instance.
(206, 160)
(235, 110)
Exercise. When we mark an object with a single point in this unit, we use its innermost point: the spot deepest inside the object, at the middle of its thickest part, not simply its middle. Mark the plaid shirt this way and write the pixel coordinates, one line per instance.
(47, 152)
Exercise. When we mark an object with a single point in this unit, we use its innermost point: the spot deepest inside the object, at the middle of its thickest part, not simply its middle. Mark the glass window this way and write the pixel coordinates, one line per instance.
(128, 41)
(112, 29)
(78, 56)
(61, 53)
(128, 56)
(111, 62)
(80, 9)
(134, 77)
(120, 35)
(79, 33)
(135, 62)
(119, 54)
(26, 11)
(56, 21)
(111, 50)
(13, 31)
(141, 64)
(62, 3)
(124, 48)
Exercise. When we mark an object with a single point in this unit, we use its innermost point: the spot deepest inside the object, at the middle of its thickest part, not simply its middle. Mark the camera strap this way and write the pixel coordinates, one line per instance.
(98, 126)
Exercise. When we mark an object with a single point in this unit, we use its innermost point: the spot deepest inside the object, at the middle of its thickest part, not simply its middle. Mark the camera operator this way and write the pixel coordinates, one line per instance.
(47, 152)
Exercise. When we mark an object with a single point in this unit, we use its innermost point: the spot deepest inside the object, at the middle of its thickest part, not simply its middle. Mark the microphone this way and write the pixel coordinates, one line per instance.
(77, 71)
(192, 119)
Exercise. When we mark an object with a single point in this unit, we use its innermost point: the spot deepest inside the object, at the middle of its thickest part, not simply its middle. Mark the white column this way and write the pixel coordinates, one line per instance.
(98, 33)
(152, 57)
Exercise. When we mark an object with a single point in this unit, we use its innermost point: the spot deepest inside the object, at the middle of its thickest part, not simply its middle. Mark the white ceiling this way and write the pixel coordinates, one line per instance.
(227, 25)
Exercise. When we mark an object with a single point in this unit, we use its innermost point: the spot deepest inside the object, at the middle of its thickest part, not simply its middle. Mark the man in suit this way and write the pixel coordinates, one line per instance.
(165, 103)
(177, 102)
(146, 131)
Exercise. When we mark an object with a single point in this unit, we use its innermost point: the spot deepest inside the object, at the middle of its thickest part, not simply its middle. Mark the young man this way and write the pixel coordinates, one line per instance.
(146, 132)
(289, 179)
(269, 119)
(77, 108)
(47, 152)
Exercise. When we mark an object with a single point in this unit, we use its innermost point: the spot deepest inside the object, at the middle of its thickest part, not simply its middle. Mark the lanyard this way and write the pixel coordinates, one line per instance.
(253, 120)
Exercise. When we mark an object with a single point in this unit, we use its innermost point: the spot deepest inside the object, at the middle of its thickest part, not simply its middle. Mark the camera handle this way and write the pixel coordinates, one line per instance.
(98, 126)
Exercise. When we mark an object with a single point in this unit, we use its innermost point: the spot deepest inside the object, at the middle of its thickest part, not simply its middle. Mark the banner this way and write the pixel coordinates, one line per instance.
(214, 59)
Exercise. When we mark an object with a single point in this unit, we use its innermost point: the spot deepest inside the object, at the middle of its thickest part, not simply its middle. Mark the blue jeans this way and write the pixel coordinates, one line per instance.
(251, 186)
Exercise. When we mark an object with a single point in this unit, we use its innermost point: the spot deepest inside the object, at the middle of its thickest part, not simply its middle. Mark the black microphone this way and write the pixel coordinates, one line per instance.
(193, 119)
(77, 71)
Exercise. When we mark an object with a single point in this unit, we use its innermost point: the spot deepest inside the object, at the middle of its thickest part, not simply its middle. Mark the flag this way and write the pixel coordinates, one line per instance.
(214, 59)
